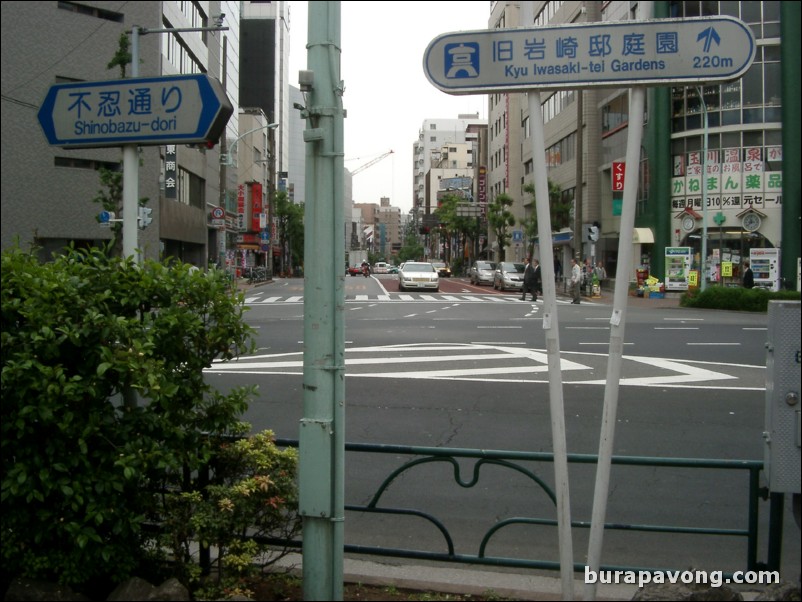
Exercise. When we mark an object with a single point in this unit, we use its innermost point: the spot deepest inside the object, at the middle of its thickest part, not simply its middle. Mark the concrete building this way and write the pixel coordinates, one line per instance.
(47, 191)
(264, 84)
(432, 137)
(740, 123)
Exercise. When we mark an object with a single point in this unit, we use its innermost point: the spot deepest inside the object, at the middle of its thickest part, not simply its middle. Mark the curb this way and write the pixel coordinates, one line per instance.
(454, 580)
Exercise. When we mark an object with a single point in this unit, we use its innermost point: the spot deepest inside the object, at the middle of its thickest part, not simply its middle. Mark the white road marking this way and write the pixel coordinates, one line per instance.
(500, 362)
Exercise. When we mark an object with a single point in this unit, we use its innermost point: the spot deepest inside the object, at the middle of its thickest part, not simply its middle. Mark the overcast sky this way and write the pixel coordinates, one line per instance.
(387, 95)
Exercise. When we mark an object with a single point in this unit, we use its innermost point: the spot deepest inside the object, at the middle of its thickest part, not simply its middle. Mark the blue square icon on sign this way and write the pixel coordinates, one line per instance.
(461, 60)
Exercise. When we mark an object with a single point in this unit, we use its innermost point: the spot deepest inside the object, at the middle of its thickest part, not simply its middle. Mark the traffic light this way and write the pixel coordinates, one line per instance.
(593, 232)
(145, 218)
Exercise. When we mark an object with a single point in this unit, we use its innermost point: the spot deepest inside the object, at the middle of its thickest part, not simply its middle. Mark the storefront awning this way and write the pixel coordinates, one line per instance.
(642, 236)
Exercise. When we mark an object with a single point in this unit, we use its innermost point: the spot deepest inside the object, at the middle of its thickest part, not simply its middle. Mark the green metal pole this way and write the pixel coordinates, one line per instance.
(791, 136)
(322, 436)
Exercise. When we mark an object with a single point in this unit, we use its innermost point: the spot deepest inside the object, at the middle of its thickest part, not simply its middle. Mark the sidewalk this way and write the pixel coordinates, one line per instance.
(670, 300)
(519, 584)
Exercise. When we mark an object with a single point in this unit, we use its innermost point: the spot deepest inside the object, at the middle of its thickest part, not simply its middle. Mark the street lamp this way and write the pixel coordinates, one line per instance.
(130, 151)
(228, 158)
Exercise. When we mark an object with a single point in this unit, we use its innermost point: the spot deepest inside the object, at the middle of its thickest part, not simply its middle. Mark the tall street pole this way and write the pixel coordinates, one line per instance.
(322, 429)
(131, 173)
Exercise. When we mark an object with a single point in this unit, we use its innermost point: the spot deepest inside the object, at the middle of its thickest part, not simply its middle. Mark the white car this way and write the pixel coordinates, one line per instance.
(418, 275)
(380, 267)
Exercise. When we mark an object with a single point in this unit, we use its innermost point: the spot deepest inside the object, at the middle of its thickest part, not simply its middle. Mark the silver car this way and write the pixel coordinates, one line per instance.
(418, 275)
(509, 276)
(482, 272)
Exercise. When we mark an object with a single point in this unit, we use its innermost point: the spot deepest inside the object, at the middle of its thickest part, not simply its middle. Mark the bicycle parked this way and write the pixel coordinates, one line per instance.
(257, 274)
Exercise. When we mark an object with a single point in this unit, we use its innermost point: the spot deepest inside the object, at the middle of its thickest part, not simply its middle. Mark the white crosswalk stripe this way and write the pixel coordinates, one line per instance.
(394, 298)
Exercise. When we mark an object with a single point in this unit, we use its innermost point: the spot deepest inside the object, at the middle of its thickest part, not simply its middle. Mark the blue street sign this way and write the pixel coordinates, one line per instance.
(181, 109)
(612, 54)
(105, 216)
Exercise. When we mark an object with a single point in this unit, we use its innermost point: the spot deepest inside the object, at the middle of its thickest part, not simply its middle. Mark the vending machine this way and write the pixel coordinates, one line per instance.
(678, 268)
(766, 268)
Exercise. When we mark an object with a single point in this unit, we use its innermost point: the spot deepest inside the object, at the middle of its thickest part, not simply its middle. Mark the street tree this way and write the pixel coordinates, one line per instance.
(559, 212)
(413, 248)
(501, 219)
(290, 221)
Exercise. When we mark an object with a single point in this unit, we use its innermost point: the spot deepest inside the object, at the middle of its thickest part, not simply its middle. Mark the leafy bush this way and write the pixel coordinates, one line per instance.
(732, 298)
(82, 337)
(250, 501)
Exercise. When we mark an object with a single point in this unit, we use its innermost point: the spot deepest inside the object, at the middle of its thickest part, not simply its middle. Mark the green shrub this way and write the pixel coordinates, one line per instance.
(250, 501)
(733, 298)
(80, 455)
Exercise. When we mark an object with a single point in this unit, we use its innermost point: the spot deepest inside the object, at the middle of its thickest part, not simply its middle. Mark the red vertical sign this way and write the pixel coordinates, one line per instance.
(256, 206)
(619, 169)
(241, 207)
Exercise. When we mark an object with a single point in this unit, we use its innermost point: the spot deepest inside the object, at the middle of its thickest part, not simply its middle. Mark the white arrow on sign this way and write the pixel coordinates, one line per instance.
(622, 53)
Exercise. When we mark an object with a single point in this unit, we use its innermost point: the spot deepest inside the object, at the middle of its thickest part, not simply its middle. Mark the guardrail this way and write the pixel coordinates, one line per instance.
(518, 461)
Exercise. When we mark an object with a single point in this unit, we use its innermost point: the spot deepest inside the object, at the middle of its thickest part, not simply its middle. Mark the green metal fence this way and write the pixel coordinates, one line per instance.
(521, 462)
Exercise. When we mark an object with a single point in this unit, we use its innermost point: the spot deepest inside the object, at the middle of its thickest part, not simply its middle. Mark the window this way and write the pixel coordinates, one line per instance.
(76, 163)
(91, 11)
(615, 114)
(561, 152)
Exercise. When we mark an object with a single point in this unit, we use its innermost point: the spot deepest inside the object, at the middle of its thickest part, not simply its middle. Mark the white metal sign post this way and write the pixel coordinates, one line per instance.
(634, 53)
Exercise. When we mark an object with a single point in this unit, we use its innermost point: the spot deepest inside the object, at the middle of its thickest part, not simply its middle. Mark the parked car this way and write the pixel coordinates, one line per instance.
(418, 275)
(482, 272)
(442, 269)
(354, 270)
(509, 276)
(380, 267)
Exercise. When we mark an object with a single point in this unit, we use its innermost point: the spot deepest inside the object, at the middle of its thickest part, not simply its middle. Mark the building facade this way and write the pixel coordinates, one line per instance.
(732, 132)
(46, 43)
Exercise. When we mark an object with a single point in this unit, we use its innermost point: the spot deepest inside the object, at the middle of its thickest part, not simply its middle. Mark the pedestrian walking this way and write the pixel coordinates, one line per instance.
(531, 279)
(600, 272)
(576, 281)
(748, 277)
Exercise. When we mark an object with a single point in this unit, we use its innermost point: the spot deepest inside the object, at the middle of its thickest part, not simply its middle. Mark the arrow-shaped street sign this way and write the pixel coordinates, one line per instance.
(181, 109)
(610, 54)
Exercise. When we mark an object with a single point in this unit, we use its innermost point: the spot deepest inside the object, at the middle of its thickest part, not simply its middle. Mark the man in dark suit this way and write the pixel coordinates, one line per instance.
(531, 279)
(749, 277)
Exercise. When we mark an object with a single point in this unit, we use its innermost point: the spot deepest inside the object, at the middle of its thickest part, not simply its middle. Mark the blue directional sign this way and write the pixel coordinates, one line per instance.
(612, 54)
(181, 109)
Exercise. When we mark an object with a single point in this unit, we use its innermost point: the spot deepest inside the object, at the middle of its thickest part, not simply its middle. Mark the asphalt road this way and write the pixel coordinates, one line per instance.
(467, 368)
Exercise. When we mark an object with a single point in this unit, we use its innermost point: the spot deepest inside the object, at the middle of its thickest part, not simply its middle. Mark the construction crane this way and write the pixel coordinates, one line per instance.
(372, 162)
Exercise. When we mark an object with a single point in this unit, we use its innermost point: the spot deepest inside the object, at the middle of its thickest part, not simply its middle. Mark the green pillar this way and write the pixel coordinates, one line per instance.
(322, 431)
(658, 150)
(791, 136)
